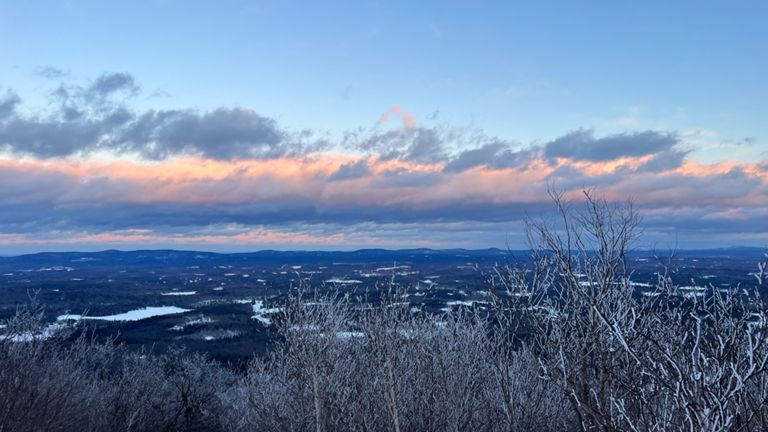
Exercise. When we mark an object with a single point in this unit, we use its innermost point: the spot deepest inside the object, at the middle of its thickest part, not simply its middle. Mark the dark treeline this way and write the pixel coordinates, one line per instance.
(566, 342)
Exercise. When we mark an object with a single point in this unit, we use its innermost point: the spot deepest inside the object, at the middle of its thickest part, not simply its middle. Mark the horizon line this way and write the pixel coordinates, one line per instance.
(639, 249)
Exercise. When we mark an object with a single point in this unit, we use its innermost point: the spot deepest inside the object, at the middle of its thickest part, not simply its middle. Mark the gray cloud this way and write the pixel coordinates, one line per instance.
(496, 155)
(416, 144)
(475, 157)
(664, 161)
(47, 138)
(110, 83)
(42, 215)
(582, 145)
(51, 72)
(8, 103)
(351, 170)
(93, 118)
(221, 134)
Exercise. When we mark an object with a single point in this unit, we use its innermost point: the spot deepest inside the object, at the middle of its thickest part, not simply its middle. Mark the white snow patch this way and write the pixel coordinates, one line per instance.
(260, 312)
(49, 331)
(85, 259)
(133, 315)
(392, 268)
(343, 281)
(460, 303)
(349, 334)
(192, 322)
(55, 268)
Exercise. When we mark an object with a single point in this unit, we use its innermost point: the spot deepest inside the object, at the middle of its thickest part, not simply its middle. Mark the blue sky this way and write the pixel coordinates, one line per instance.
(527, 70)
(523, 72)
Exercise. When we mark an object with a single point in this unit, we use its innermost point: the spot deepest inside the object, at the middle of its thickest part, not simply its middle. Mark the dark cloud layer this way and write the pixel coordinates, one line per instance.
(664, 161)
(582, 145)
(43, 200)
(351, 171)
(496, 154)
(223, 134)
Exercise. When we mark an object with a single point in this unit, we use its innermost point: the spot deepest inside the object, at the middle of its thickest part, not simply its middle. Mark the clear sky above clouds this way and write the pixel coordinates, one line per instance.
(237, 125)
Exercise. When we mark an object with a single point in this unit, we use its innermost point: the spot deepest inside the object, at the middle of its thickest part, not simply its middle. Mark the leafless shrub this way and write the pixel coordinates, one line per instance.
(44, 385)
(385, 368)
(665, 360)
(49, 382)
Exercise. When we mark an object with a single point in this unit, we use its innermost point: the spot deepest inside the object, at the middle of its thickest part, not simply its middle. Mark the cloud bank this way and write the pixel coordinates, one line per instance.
(232, 176)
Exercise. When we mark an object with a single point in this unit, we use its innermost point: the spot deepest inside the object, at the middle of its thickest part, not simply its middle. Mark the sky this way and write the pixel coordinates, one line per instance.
(247, 125)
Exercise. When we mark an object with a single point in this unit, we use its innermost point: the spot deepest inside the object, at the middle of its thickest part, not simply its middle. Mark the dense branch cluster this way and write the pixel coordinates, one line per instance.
(567, 342)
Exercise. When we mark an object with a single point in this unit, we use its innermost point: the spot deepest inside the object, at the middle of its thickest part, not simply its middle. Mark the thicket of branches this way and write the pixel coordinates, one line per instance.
(566, 342)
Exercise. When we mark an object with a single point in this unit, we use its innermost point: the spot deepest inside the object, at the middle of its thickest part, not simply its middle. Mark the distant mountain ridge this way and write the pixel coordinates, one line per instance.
(179, 257)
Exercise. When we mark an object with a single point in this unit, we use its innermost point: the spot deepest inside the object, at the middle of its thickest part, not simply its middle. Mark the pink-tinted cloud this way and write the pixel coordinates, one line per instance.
(408, 120)
(129, 202)
(200, 181)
